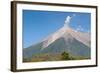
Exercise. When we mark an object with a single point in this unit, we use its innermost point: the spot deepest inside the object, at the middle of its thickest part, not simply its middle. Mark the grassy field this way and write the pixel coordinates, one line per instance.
(53, 57)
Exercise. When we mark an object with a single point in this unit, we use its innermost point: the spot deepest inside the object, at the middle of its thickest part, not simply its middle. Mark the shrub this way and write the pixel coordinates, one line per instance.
(65, 56)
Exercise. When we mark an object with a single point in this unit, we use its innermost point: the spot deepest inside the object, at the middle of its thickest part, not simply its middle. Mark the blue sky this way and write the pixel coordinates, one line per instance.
(39, 24)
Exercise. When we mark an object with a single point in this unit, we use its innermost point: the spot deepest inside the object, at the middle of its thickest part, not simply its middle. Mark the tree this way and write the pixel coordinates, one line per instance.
(65, 56)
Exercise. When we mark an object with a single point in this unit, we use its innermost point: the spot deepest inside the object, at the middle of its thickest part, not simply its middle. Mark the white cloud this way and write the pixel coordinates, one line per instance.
(67, 21)
(79, 28)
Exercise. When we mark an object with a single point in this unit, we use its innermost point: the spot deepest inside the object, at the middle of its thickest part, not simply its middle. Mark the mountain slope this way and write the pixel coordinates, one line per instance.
(64, 32)
(72, 46)
(65, 39)
(35, 49)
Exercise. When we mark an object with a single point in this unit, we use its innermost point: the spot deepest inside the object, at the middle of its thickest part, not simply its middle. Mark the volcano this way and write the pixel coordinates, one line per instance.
(66, 39)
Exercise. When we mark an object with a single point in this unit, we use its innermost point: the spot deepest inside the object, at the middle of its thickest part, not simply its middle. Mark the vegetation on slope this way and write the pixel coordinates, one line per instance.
(53, 57)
